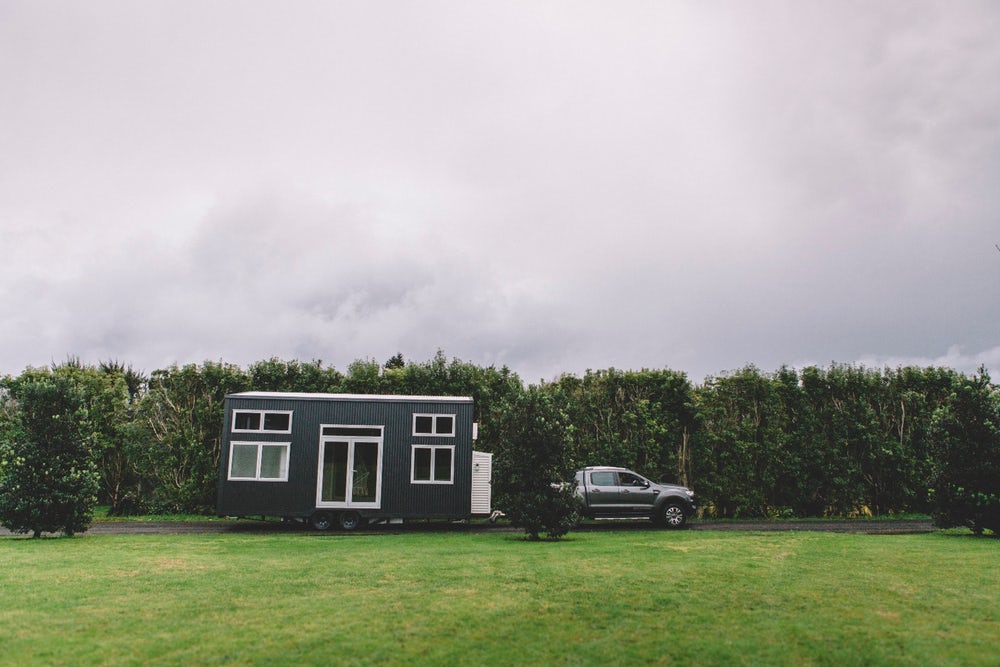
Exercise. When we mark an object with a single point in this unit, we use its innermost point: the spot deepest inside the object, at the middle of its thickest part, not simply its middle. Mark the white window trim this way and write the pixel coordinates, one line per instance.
(262, 414)
(352, 440)
(260, 447)
(433, 448)
(435, 433)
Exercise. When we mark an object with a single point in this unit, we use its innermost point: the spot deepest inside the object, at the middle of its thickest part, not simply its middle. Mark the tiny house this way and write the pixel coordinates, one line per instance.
(347, 459)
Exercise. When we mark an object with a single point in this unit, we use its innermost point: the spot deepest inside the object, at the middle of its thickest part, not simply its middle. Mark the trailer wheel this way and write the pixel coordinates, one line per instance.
(321, 521)
(349, 520)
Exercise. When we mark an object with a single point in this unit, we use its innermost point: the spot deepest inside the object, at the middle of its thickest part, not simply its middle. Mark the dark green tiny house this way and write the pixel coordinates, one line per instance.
(344, 459)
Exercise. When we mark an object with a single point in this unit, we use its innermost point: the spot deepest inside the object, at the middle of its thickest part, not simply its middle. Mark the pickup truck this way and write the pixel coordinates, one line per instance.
(607, 492)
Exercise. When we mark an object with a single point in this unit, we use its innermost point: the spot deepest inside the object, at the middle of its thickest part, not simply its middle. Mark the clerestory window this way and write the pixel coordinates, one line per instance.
(262, 421)
(437, 425)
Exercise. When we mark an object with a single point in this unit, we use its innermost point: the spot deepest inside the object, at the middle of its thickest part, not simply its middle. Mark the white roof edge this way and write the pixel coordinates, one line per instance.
(347, 397)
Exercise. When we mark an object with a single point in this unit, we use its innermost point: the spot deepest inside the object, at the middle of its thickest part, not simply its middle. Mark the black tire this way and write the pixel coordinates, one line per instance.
(321, 521)
(349, 520)
(672, 515)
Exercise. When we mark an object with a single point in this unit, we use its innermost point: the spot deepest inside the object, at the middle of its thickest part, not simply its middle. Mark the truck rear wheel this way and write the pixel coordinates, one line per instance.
(672, 515)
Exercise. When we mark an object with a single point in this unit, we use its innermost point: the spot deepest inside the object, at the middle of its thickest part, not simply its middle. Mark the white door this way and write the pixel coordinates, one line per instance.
(482, 475)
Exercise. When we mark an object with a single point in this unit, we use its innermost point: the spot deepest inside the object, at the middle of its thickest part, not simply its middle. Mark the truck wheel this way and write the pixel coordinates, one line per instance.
(349, 520)
(672, 515)
(321, 521)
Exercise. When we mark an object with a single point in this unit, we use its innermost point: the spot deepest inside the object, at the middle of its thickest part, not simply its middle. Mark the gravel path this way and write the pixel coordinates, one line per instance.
(250, 526)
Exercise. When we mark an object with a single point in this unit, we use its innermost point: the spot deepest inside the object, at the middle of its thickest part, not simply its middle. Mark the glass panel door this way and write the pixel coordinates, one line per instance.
(334, 472)
(349, 472)
(365, 472)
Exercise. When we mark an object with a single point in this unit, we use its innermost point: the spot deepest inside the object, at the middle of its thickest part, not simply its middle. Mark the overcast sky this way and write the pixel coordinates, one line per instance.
(554, 186)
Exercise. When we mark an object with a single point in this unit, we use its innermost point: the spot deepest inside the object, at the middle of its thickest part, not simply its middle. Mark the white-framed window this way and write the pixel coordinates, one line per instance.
(436, 425)
(262, 421)
(432, 464)
(259, 461)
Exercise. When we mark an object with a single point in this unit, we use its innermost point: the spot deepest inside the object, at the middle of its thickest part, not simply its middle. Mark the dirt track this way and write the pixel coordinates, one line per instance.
(250, 526)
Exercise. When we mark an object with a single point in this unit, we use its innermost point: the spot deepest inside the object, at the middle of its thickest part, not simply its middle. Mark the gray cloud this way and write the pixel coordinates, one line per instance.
(554, 186)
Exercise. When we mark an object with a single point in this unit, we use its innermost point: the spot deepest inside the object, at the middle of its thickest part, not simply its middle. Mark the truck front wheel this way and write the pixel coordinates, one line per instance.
(672, 515)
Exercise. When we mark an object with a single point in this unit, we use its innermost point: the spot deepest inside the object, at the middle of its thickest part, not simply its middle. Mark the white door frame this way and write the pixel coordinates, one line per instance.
(343, 433)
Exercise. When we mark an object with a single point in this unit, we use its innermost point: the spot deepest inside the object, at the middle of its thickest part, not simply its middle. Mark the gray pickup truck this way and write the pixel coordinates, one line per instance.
(607, 492)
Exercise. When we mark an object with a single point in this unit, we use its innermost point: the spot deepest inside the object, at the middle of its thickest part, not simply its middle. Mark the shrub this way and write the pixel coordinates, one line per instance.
(50, 479)
(534, 457)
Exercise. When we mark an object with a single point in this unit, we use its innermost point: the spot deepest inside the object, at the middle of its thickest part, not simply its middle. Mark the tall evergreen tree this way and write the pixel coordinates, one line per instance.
(50, 479)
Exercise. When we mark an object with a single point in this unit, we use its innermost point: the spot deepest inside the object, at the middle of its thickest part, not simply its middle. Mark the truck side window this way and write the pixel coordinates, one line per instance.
(631, 480)
(602, 478)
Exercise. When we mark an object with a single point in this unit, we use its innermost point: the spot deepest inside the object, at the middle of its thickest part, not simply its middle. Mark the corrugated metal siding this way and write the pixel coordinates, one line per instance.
(400, 498)
(405, 499)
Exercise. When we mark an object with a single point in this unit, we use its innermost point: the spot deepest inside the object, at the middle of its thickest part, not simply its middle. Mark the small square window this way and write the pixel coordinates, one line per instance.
(246, 421)
(273, 461)
(259, 461)
(444, 425)
(423, 424)
(277, 421)
(243, 463)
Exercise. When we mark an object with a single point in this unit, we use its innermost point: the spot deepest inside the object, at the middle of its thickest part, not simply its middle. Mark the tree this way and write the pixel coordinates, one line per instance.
(121, 436)
(396, 361)
(532, 460)
(50, 480)
(966, 440)
(110, 392)
(740, 450)
(641, 420)
(842, 444)
(184, 411)
(277, 375)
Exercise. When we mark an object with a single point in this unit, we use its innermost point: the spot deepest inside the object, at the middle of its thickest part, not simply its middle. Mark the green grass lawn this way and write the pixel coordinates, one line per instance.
(639, 597)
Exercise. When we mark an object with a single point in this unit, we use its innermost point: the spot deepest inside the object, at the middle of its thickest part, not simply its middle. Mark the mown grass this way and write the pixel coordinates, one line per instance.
(651, 597)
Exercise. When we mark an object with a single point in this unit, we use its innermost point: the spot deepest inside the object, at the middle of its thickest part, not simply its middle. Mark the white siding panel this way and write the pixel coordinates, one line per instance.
(482, 475)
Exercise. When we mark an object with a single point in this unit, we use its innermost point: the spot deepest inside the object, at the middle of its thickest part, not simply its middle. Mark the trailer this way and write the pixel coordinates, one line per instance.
(347, 459)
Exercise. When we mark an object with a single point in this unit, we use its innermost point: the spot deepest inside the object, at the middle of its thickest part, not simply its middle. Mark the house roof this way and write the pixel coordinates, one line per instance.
(308, 396)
